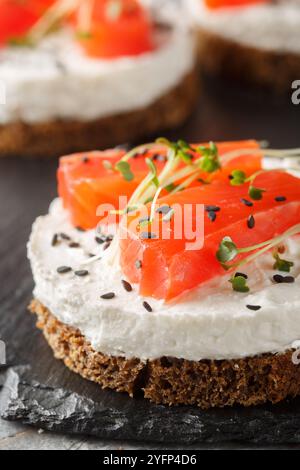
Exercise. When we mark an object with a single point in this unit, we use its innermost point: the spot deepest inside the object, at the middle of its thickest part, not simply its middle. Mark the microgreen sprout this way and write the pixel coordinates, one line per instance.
(255, 193)
(210, 161)
(125, 170)
(239, 284)
(153, 171)
(228, 250)
(282, 264)
(238, 178)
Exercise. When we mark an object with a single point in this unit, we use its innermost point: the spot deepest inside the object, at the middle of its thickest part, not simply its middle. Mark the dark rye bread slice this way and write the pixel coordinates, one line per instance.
(169, 381)
(267, 69)
(56, 138)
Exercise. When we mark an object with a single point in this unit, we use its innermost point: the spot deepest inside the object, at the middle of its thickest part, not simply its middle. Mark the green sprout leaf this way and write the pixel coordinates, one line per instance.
(170, 187)
(210, 161)
(238, 178)
(153, 170)
(239, 284)
(227, 250)
(256, 193)
(124, 168)
(282, 264)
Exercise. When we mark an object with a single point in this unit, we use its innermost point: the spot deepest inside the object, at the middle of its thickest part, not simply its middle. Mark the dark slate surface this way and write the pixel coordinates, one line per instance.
(39, 390)
(80, 408)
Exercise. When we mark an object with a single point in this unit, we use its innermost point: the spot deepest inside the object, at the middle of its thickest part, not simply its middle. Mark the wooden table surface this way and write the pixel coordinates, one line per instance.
(27, 187)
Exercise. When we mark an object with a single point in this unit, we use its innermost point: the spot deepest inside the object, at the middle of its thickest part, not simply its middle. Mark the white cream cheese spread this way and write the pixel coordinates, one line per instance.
(213, 322)
(55, 80)
(273, 27)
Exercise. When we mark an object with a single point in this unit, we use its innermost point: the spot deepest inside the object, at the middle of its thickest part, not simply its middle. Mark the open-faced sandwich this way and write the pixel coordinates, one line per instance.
(174, 269)
(256, 41)
(85, 74)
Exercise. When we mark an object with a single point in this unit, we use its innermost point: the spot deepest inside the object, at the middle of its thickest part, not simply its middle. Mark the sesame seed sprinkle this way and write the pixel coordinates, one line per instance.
(100, 240)
(147, 307)
(64, 269)
(108, 296)
(251, 222)
(280, 198)
(212, 215)
(74, 245)
(127, 286)
(246, 202)
(255, 308)
(212, 208)
(279, 279)
(54, 241)
(64, 236)
(138, 264)
(81, 273)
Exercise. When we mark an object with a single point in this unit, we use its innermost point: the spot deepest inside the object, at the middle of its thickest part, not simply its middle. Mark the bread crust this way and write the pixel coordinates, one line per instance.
(169, 381)
(266, 69)
(56, 138)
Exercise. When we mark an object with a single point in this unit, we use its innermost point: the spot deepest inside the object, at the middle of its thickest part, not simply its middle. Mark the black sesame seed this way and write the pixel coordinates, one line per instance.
(100, 240)
(138, 264)
(108, 296)
(74, 245)
(127, 286)
(279, 279)
(159, 158)
(109, 238)
(246, 202)
(211, 208)
(280, 198)
(147, 307)
(80, 229)
(85, 159)
(253, 307)
(237, 274)
(54, 241)
(147, 235)
(212, 215)
(81, 273)
(106, 245)
(64, 269)
(163, 210)
(251, 222)
(91, 255)
(289, 279)
(64, 236)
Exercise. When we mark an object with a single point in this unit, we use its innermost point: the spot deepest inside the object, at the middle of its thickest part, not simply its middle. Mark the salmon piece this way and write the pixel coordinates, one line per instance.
(84, 183)
(169, 270)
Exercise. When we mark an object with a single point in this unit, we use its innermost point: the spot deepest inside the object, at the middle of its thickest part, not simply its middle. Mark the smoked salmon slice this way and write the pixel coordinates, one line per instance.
(85, 180)
(166, 269)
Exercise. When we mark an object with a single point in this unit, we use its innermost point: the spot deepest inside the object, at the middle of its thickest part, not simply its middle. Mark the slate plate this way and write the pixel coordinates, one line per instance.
(39, 390)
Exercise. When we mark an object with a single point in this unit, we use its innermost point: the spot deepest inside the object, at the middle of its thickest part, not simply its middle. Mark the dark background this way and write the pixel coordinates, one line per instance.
(27, 187)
